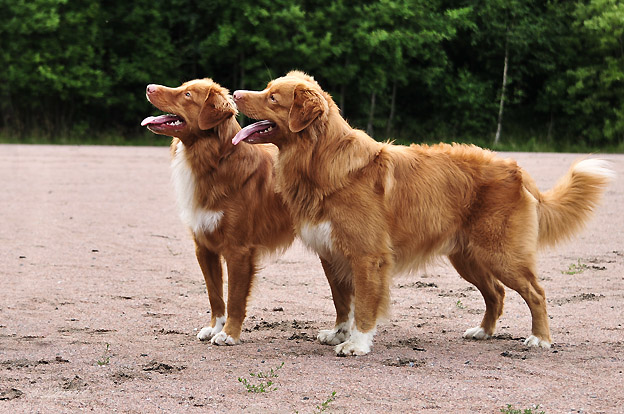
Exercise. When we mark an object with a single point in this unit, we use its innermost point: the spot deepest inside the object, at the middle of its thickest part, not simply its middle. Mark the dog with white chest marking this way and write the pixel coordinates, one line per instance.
(226, 195)
(373, 209)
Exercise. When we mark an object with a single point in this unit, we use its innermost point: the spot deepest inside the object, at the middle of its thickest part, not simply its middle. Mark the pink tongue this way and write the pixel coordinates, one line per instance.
(161, 119)
(249, 130)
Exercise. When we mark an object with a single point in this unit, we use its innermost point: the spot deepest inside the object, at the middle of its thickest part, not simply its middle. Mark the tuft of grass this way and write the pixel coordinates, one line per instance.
(325, 405)
(576, 268)
(105, 358)
(322, 407)
(510, 410)
(265, 381)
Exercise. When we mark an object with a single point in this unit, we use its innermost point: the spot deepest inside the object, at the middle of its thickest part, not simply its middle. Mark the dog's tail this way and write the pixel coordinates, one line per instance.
(565, 208)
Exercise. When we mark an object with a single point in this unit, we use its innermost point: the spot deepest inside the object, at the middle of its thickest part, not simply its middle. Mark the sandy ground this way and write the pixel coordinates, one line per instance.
(101, 299)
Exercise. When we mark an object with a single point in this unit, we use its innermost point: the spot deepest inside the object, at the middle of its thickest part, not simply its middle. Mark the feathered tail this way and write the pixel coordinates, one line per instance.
(564, 209)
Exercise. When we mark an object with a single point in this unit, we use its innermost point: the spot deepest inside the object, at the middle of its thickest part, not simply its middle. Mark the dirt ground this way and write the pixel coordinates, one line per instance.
(101, 299)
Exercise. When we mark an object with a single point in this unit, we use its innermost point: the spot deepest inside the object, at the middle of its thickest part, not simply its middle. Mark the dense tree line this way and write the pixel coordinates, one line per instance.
(414, 69)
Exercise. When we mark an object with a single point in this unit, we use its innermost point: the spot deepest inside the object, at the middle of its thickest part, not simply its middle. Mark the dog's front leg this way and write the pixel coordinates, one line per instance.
(241, 269)
(210, 264)
(339, 276)
(370, 279)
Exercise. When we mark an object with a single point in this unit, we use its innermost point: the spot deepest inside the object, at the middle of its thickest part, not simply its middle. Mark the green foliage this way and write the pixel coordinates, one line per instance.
(510, 410)
(105, 358)
(51, 60)
(77, 70)
(596, 82)
(264, 383)
(576, 268)
(325, 404)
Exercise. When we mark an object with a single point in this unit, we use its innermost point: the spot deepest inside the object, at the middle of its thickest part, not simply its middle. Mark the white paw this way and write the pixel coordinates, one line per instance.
(334, 336)
(536, 342)
(208, 332)
(358, 344)
(476, 333)
(223, 339)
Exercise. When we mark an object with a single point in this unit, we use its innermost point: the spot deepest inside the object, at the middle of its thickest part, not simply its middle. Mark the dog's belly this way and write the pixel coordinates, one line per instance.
(317, 237)
(200, 220)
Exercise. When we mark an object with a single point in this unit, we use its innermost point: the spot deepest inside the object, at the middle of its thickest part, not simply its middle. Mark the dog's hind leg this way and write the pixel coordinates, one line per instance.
(210, 264)
(515, 266)
(523, 280)
(241, 269)
(492, 290)
(339, 276)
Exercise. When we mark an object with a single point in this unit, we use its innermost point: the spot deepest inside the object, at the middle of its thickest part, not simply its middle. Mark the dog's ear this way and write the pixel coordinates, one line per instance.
(216, 109)
(307, 105)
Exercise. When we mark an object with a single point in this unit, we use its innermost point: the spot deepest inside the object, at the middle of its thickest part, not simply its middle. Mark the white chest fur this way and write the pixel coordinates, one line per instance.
(317, 237)
(194, 216)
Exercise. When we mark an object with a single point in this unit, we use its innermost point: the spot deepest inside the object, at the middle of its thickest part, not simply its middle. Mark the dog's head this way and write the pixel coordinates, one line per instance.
(192, 108)
(290, 107)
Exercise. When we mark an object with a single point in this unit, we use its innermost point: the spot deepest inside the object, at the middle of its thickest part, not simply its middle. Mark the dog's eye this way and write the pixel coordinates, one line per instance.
(272, 98)
(188, 94)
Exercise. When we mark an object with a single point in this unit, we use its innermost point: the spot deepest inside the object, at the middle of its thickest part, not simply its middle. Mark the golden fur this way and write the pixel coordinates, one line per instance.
(231, 208)
(391, 208)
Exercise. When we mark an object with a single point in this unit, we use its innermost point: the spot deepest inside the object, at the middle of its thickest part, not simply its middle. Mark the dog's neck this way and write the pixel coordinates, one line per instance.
(323, 159)
(207, 148)
(226, 131)
(213, 159)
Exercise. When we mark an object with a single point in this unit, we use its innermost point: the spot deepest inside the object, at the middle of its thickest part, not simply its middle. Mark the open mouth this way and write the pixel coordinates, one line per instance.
(164, 123)
(258, 132)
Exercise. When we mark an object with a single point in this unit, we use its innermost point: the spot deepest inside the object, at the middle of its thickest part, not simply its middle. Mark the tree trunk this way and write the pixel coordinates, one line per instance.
(241, 66)
(343, 92)
(391, 116)
(7, 110)
(371, 116)
(550, 127)
(502, 98)
(242, 119)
